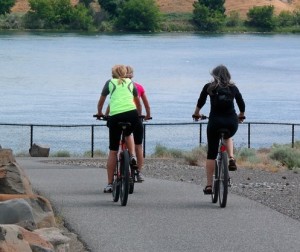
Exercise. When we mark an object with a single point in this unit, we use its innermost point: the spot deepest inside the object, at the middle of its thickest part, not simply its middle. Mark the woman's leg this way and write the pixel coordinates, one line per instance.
(130, 145)
(139, 156)
(229, 145)
(111, 164)
(210, 167)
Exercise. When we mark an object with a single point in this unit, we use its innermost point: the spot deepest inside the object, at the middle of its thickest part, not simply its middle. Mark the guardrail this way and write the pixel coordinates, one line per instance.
(19, 137)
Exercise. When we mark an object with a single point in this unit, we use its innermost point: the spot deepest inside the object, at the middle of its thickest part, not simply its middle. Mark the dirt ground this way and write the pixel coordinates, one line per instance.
(181, 6)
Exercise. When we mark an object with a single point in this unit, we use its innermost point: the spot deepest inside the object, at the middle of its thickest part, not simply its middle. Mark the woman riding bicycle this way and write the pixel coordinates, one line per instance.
(222, 92)
(125, 106)
(138, 132)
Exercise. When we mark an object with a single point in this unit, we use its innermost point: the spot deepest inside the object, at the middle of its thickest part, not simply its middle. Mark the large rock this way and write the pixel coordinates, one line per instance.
(14, 238)
(6, 157)
(13, 179)
(22, 211)
(28, 211)
(17, 211)
(39, 151)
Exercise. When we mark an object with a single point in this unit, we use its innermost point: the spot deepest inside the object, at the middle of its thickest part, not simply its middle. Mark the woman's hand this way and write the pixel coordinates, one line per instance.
(241, 117)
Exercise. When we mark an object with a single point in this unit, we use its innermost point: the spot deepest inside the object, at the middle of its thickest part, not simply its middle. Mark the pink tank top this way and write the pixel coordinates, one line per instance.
(140, 89)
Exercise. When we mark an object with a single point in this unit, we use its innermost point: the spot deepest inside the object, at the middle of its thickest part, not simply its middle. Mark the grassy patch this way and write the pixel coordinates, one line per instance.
(287, 156)
(61, 153)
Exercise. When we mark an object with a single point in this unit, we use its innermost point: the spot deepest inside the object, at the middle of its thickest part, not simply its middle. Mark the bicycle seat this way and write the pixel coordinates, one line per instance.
(124, 125)
(224, 131)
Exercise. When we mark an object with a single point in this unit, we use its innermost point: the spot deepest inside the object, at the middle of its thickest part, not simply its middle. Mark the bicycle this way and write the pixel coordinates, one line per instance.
(221, 179)
(134, 169)
(121, 182)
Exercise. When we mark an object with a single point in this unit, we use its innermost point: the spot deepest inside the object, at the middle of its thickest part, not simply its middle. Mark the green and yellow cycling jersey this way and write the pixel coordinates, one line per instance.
(121, 95)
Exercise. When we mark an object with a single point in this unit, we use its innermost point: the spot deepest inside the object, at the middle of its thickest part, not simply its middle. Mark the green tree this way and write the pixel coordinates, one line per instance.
(139, 15)
(5, 6)
(58, 14)
(262, 17)
(112, 7)
(214, 5)
(285, 18)
(207, 19)
(296, 17)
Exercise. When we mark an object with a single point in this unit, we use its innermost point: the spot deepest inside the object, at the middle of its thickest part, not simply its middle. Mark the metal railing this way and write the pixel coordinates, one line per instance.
(78, 138)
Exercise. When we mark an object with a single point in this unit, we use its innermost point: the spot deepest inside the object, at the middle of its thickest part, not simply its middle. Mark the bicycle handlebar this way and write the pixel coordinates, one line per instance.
(106, 118)
(204, 117)
(103, 117)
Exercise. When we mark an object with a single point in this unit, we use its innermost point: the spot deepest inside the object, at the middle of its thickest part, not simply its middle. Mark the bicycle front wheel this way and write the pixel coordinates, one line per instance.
(116, 183)
(131, 180)
(223, 173)
(124, 178)
(215, 184)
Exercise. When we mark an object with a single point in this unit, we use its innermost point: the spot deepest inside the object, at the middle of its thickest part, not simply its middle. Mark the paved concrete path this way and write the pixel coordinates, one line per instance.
(161, 216)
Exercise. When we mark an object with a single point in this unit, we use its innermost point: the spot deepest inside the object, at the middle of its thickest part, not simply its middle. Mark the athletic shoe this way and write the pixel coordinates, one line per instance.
(139, 177)
(108, 188)
(133, 160)
(232, 165)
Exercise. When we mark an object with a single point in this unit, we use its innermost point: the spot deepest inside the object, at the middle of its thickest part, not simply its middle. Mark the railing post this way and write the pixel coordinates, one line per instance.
(144, 142)
(249, 146)
(293, 135)
(31, 135)
(92, 141)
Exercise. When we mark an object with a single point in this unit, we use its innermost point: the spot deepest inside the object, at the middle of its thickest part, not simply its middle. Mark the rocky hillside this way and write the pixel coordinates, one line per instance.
(169, 6)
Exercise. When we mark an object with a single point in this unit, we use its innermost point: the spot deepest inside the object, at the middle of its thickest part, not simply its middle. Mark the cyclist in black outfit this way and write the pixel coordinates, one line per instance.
(222, 92)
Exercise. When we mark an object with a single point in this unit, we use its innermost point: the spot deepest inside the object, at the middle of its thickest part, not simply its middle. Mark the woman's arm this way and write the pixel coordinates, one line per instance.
(146, 105)
(100, 105)
(138, 104)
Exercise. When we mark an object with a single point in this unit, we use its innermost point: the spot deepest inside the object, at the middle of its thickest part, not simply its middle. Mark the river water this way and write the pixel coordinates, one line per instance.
(56, 78)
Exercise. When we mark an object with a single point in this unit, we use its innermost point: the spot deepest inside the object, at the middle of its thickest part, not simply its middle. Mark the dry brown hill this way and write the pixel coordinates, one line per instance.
(169, 6)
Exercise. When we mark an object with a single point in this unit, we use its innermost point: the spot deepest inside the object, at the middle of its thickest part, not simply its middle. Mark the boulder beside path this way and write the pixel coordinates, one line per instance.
(27, 221)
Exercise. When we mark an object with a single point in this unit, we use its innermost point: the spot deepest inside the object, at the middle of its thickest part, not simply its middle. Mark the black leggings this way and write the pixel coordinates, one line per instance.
(115, 130)
(215, 123)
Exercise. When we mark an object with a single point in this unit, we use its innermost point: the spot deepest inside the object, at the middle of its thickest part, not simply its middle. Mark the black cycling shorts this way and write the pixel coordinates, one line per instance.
(115, 130)
(138, 133)
(215, 123)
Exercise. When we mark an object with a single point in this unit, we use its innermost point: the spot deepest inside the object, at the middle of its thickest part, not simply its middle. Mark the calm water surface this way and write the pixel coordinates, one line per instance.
(57, 78)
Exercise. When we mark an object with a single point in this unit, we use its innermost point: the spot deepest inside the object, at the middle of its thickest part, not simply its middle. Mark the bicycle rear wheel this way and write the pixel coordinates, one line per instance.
(124, 177)
(116, 183)
(223, 173)
(215, 184)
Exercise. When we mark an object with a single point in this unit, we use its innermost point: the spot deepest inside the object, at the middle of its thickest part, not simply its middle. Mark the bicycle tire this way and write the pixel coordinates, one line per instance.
(223, 185)
(131, 180)
(124, 190)
(215, 184)
(116, 183)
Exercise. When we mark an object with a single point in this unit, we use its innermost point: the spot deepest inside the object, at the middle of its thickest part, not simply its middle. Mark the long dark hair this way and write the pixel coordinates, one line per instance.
(222, 78)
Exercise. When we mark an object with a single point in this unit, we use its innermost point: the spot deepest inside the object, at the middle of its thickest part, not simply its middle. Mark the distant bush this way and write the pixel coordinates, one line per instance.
(6, 5)
(164, 152)
(289, 157)
(233, 19)
(247, 154)
(261, 17)
(139, 15)
(11, 21)
(209, 15)
(61, 153)
(97, 153)
(58, 14)
(285, 19)
(196, 157)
